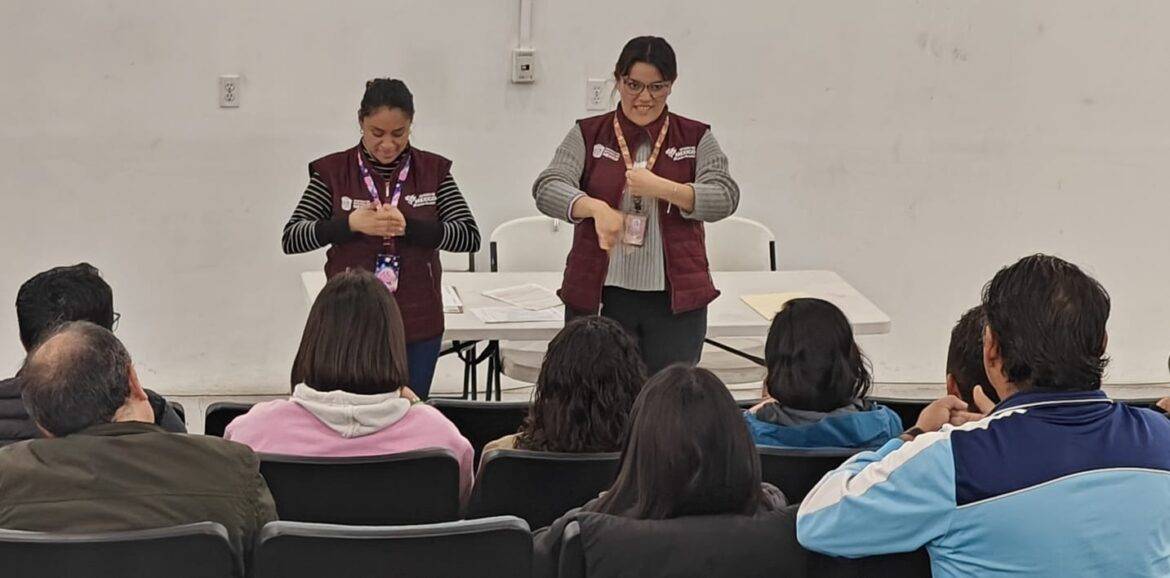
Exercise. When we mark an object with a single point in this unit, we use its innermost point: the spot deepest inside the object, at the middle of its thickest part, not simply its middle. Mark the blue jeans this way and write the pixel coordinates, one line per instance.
(421, 357)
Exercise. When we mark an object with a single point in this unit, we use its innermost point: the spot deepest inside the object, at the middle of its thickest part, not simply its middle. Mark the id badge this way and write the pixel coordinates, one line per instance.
(387, 269)
(634, 232)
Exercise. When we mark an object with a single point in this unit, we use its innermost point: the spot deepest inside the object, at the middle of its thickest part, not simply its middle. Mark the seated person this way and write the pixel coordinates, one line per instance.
(61, 294)
(816, 384)
(104, 466)
(965, 368)
(1057, 480)
(349, 394)
(687, 453)
(590, 377)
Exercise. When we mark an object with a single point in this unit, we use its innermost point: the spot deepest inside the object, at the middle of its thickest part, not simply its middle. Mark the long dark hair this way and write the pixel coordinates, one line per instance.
(353, 339)
(590, 377)
(688, 452)
(813, 362)
(651, 50)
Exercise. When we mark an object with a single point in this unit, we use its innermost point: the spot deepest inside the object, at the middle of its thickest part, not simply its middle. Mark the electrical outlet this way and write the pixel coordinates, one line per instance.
(229, 91)
(523, 65)
(596, 97)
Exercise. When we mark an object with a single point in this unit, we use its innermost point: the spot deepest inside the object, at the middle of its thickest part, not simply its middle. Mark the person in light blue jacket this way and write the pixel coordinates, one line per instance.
(1056, 480)
(816, 384)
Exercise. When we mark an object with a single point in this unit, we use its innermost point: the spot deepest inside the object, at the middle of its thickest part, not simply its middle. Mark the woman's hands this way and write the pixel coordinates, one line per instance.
(383, 221)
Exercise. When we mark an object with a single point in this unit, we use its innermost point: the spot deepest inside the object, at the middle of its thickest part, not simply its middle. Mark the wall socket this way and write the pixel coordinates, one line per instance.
(229, 91)
(596, 95)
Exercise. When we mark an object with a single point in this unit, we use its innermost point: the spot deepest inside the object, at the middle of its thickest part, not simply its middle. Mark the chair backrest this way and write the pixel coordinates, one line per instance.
(199, 550)
(796, 471)
(489, 548)
(417, 487)
(531, 244)
(458, 262)
(220, 414)
(179, 410)
(606, 546)
(539, 486)
(739, 244)
(720, 541)
(482, 422)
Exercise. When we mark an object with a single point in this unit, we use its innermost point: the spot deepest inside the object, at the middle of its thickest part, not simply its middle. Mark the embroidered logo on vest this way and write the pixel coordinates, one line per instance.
(600, 150)
(346, 203)
(678, 154)
(421, 200)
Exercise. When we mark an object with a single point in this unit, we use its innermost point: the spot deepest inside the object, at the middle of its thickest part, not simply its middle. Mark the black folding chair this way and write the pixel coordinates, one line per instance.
(220, 414)
(482, 422)
(488, 548)
(539, 486)
(796, 471)
(200, 550)
(417, 487)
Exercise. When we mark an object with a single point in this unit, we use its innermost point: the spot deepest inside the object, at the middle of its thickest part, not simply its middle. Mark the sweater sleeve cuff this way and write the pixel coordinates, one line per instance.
(333, 231)
(424, 233)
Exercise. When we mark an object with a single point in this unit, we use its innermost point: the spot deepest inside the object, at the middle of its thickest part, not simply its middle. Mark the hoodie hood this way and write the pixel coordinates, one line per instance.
(868, 426)
(350, 414)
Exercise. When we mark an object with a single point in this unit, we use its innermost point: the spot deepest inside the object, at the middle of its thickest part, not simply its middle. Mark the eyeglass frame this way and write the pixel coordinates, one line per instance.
(666, 85)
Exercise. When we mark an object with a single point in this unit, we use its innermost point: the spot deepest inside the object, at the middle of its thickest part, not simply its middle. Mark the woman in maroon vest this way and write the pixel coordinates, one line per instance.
(638, 183)
(388, 207)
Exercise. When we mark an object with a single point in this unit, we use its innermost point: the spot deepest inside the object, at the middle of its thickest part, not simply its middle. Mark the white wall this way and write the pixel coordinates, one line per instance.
(914, 147)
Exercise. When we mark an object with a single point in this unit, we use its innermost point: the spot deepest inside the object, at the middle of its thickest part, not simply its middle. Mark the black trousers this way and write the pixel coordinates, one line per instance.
(663, 337)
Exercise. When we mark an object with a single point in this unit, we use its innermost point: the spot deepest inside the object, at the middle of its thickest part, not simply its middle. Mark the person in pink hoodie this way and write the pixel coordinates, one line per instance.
(349, 394)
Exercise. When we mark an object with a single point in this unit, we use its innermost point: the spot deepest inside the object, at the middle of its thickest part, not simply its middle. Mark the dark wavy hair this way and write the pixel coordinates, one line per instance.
(1048, 318)
(813, 362)
(590, 377)
(59, 295)
(688, 453)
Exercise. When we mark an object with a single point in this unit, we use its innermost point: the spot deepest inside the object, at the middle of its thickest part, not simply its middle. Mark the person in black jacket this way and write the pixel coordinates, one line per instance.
(50, 298)
(687, 456)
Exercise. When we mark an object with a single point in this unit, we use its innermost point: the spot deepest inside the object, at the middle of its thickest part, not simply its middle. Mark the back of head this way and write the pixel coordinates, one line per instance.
(813, 362)
(353, 340)
(1048, 318)
(688, 452)
(59, 295)
(78, 377)
(590, 377)
(965, 356)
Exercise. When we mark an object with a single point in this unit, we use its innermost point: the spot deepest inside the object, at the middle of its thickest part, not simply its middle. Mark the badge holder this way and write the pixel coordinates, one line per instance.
(387, 270)
(634, 229)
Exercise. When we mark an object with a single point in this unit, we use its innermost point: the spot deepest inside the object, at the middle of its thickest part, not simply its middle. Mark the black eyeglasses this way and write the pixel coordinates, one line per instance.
(117, 317)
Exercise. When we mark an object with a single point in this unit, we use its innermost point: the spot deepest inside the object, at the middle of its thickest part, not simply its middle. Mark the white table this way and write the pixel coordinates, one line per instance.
(727, 316)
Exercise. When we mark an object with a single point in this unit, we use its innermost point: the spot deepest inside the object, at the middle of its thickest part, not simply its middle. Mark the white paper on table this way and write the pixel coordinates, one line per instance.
(517, 315)
(769, 304)
(529, 296)
(451, 301)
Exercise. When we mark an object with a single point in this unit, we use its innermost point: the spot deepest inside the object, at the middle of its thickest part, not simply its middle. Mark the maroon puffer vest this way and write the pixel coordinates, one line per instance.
(687, 275)
(419, 293)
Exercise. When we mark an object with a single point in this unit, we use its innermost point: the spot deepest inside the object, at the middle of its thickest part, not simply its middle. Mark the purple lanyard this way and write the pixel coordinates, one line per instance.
(369, 180)
(388, 243)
